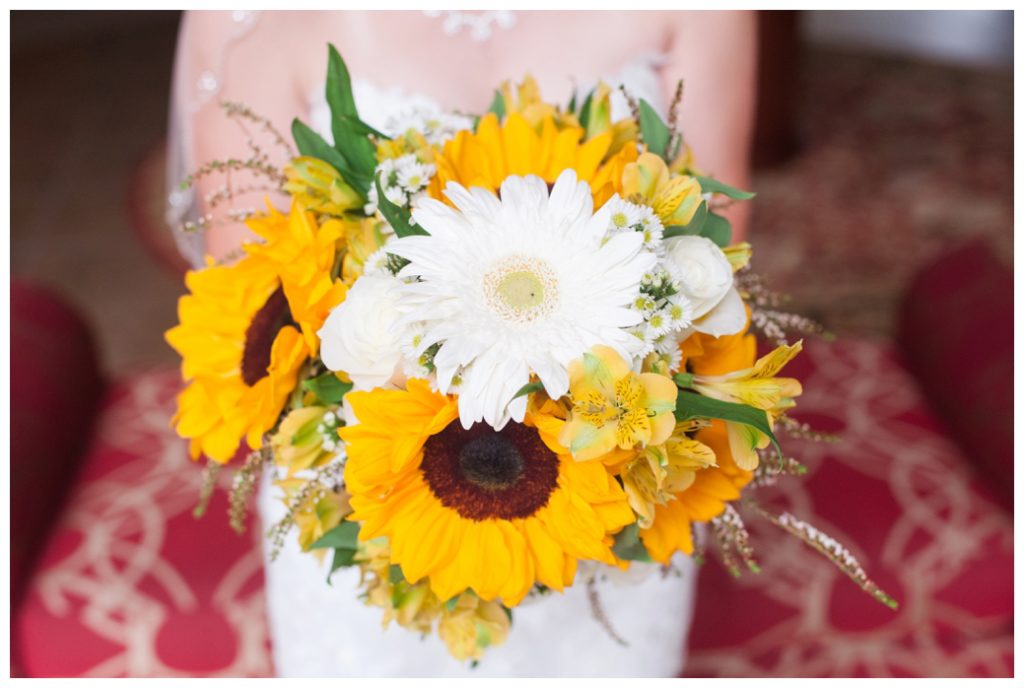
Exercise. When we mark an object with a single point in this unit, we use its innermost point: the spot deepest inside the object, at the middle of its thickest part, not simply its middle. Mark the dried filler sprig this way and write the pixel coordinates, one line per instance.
(803, 431)
(326, 479)
(597, 610)
(245, 481)
(829, 548)
(207, 484)
(239, 112)
(733, 539)
(764, 314)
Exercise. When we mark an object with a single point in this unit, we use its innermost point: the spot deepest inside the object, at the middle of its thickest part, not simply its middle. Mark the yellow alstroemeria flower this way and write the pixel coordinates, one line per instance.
(319, 187)
(410, 605)
(648, 181)
(525, 100)
(411, 141)
(363, 237)
(759, 387)
(659, 472)
(299, 443)
(614, 407)
(472, 625)
(319, 514)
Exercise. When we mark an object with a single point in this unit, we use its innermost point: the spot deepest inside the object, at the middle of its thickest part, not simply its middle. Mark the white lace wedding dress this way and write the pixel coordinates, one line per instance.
(326, 631)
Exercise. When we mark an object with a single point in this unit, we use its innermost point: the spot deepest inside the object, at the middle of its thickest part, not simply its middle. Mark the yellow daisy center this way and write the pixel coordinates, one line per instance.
(521, 289)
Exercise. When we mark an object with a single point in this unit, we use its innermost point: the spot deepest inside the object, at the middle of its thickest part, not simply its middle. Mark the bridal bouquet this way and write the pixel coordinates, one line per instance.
(480, 351)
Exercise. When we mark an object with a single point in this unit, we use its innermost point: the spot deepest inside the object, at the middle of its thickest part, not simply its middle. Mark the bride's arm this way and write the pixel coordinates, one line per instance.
(716, 52)
(236, 57)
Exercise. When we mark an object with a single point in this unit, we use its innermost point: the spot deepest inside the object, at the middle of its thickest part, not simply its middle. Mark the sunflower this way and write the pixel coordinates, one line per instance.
(246, 329)
(492, 511)
(304, 254)
(241, 355)
(496, 150)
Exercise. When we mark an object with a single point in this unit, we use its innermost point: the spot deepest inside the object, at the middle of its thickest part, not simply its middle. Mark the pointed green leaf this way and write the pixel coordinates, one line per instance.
(362, 128)
(399, 218)
(654, 131)
(629, 546)
(585, 109)
(691, 405)
(498, 105)
(349, 139)
(693, 228)
(709, 185)
(312, 144)
(528, 388)
(328, 388)
(343, 557)
(339, 84)
(344, 535)
(718, 229)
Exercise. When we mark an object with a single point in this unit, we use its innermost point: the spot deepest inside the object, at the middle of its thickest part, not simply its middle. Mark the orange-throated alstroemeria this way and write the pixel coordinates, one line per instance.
(319, 187)
(614, 407)
(647, 181)
(660, 471)
(759, 387)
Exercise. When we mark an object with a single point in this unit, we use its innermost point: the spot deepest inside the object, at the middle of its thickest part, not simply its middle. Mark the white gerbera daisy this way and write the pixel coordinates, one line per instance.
(519, 286)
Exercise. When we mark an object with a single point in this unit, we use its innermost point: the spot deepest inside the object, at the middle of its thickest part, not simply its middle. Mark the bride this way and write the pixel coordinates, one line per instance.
(432, 62)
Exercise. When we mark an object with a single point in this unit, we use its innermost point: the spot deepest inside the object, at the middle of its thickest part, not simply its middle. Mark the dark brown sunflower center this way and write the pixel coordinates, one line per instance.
(259, 337)
(486, 474)
(491, 462)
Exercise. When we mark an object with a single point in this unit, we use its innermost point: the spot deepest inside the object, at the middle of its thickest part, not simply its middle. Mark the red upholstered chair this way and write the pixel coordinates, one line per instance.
(55, 391)
(956, 331)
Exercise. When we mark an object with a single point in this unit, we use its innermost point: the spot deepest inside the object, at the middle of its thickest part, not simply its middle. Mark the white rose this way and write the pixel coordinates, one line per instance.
(360, 337)
(707, 282)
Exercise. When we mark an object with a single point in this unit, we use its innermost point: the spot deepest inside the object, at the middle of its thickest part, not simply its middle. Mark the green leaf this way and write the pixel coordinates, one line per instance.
(395, 574)
(707, 184)
(339, 84)
(571, 107)
(362, 128)
(684, 380)
(328, 388)
(498, 105)
(343, 557)
(653, 130)
(344, 535)
(450, 604)
(629, 546)
(693, 227)
(399, 218)
(349, 132)
(312, 144)
(691, 405)
(718, 229)
(585, 109)
(528, 388)
(307, 433)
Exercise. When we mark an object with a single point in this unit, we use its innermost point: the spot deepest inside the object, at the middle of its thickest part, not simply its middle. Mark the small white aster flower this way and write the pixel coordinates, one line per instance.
(414, 176)
(396, 195)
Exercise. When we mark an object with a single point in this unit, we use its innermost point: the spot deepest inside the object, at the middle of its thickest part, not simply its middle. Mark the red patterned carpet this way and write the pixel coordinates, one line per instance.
(900, 160)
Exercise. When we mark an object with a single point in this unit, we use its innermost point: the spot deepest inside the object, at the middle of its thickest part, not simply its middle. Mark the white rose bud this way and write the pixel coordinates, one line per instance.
(707, 282)
(359, 337)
